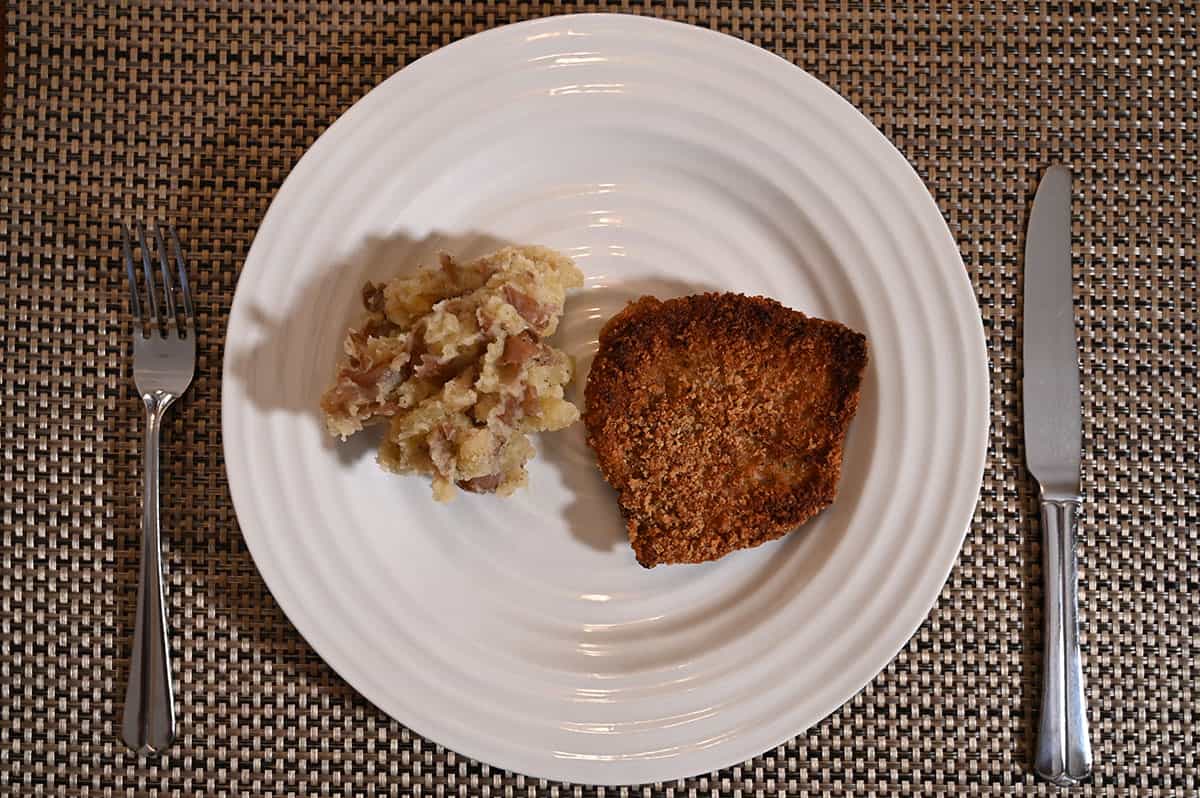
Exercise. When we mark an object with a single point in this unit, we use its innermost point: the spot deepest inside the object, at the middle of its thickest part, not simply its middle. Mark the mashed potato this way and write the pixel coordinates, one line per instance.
(455, 359)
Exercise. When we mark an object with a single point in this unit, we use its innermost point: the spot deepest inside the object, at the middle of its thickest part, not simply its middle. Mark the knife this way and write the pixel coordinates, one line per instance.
(1052, 452)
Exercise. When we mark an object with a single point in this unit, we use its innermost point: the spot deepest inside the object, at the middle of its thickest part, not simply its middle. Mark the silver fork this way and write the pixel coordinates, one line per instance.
(164, 358)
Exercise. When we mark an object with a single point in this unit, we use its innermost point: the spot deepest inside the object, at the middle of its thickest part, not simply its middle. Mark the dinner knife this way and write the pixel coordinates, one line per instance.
(1052, 452)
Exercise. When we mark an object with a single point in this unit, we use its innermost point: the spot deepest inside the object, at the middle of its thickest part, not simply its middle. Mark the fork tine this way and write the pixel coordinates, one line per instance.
(185, 289)
(135, 304)
(156, 321)
(168, 286)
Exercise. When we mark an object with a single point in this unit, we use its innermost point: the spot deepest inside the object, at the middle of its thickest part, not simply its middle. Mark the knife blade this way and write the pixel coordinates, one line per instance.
(1053, 443)
(1051, 382)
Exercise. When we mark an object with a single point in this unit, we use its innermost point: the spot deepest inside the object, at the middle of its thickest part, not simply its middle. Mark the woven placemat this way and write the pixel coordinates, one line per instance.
(195, 112)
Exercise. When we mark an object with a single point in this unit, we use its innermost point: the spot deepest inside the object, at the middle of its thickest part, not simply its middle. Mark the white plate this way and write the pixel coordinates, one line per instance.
(666, 159)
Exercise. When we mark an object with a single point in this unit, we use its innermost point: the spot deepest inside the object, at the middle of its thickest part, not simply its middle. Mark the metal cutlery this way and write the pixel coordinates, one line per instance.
(1052, 452)
(164, 359)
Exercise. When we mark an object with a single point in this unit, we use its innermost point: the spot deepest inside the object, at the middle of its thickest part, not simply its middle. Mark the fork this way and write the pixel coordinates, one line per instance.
(164, 359)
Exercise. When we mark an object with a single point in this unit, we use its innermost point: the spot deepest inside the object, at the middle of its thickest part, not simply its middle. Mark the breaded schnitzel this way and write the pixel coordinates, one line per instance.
(720, 420)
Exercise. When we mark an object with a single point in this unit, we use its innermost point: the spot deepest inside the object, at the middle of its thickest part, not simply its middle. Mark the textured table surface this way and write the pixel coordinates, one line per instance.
(196, 111)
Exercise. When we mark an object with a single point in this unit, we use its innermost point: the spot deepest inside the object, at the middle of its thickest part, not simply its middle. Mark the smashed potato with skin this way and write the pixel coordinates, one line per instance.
(455, 359)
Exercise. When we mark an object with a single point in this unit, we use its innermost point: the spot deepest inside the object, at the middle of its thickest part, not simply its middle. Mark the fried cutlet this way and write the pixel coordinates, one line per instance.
(719, 419)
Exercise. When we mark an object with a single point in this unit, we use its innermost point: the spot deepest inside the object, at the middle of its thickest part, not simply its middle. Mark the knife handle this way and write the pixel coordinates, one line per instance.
(1064, 754)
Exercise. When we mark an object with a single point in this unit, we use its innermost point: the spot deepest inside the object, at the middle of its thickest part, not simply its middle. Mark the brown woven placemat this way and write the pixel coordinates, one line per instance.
(195, 111)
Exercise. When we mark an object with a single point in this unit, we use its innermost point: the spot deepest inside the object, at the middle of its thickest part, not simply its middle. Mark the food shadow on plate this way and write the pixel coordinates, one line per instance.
(300, 345)
(592, 514)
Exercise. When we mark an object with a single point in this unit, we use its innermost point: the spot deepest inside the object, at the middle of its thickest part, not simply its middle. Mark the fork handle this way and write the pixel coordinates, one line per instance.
(148, 725)
(1064, 753)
